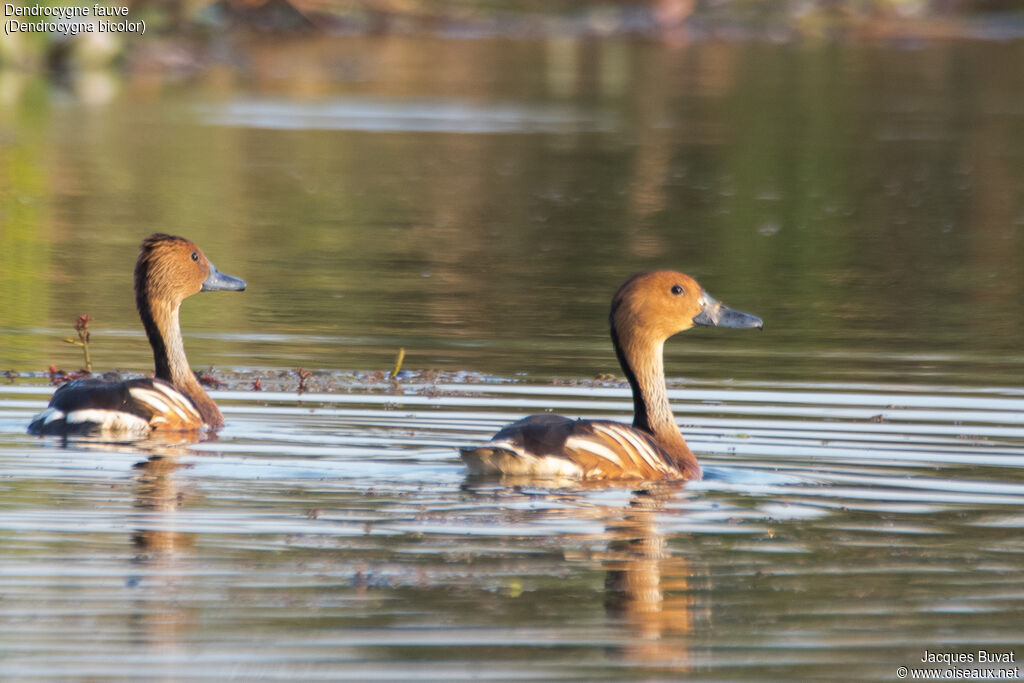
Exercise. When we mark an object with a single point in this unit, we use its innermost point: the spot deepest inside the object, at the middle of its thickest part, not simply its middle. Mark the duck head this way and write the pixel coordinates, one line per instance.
(661, 303)
(171, 268)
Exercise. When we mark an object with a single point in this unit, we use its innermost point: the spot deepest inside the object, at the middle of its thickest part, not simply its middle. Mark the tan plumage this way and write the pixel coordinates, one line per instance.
(169, 269)
(648, 309)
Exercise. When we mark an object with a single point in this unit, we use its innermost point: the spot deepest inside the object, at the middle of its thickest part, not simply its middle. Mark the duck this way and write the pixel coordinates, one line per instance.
(646, 310)
(169, 269)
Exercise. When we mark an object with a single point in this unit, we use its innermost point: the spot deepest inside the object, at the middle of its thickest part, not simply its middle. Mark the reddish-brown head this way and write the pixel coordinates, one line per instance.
(172, 268)
(659, 304)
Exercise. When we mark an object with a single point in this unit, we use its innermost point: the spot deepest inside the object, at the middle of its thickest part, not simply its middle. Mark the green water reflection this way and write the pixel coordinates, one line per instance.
(865, 201)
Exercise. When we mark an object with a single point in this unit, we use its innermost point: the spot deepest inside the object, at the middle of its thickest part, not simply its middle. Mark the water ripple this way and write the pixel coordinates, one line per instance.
(334, 535)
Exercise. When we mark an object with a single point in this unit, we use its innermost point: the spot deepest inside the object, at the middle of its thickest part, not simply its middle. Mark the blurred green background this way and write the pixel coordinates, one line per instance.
(473, 180)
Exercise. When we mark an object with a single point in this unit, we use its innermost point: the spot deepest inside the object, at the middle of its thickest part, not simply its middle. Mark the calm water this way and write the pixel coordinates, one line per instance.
(477, 203)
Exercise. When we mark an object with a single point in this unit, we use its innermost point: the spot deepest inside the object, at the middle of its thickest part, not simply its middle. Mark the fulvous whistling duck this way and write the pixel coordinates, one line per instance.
(648, 309)
(169, 269)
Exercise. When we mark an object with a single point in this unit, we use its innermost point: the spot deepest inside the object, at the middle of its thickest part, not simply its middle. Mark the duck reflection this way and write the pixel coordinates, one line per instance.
(654, 600)
(160, 617)
(156, 492)
(649, 591)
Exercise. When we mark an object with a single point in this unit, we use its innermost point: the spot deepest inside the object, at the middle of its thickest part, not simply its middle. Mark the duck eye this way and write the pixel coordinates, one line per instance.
(677, 289)
(195, 256)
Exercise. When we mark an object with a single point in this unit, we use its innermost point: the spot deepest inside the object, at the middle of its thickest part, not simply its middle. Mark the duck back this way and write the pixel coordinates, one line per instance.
(133, 407)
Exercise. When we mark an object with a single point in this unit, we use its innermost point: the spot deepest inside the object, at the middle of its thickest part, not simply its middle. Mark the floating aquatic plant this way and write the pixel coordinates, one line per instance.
(208, 379)
(58, 376)
(304, 376)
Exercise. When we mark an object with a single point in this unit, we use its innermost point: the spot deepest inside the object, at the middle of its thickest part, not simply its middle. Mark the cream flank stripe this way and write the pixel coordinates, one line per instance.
(634, 445)
(595, 447)
(164, 399)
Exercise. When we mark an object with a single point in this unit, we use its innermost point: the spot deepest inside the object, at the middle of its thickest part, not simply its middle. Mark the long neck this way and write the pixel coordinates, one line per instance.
(160, 319)
(641, 359)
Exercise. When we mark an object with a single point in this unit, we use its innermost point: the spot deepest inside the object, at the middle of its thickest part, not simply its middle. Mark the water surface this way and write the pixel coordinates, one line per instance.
(336, 535)
(477, 202)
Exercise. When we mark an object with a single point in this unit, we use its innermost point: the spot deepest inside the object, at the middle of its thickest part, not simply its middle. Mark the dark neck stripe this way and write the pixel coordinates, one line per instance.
(156, 338)
(641, 416)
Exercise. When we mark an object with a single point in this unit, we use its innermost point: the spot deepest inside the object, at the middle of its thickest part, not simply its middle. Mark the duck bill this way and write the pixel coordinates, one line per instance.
(717, 314)
(222, 281)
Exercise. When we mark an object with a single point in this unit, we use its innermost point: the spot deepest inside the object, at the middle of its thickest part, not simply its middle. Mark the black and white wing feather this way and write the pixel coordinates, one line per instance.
(131, 408)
